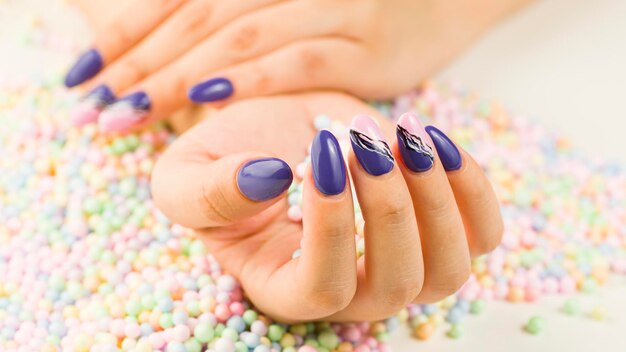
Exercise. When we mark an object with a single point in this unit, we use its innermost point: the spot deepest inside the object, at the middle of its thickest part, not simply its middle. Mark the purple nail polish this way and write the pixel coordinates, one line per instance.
(212, 90)
(446, 149)
(87, 66)
(370, 147)
(329, 170)
(125, 112)
(89, 107)
(264, 179)
(415, 145)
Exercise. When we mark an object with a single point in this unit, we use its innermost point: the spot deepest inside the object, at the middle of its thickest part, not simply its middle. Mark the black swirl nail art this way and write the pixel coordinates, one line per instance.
(416, 152)
(374, 153)
(416, 143)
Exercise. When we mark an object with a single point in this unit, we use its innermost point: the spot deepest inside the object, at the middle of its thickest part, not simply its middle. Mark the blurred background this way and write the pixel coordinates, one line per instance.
(560, 62)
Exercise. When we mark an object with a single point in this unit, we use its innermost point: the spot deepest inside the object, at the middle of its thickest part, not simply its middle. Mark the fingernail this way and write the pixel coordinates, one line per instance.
(212, 90)
(446, 149)
(125, 112)
(264, 179)
(414, 144)
(370, 147)
(91, 104)
(329, 170)
(87, 66)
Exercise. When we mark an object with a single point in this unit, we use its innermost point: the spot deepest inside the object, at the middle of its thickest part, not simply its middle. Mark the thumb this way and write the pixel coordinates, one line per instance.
(205, 193)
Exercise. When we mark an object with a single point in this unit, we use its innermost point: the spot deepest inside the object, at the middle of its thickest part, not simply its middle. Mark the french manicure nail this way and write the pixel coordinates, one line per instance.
(329, 170)
(212, 90)
(125, 112)
(415, 145)
(87, 66)
(446, 149)
(264, 179)
(91, 104)
(370, 147)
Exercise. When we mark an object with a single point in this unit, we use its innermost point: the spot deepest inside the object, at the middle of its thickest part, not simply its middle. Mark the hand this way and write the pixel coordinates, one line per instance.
(422, 223)
(155, 54)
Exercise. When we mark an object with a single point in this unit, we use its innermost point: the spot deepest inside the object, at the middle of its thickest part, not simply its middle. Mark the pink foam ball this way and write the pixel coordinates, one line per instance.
(501, 291)
(568, 285)
(384, 348)
(180, 333)
(237, 308)
(352, 334)
(117, 327)
(307, 348)
(550, 285)
(222, 313)
(157, 341)
(132, 330)
(532, 294)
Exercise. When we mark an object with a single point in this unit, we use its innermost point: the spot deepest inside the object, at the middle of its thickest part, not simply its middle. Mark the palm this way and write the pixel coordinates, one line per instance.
(255, 249)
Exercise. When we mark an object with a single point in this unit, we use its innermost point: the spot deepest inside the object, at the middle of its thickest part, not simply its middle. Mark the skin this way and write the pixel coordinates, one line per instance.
(265, 47)
(421, 229)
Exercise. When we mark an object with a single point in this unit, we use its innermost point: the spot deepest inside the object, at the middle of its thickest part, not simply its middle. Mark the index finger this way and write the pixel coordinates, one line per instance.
(123, 33)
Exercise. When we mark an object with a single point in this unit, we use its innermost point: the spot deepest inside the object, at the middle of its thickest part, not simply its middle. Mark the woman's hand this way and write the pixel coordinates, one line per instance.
(427, 207)
(155, 53)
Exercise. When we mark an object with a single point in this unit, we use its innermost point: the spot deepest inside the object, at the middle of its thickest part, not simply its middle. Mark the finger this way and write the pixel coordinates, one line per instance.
(246, 38)
(444, 244)
(393, 267)
(197, 191)
(177, 34)
(315, 63)
(322, 280)
(134, 22)
(473, 193)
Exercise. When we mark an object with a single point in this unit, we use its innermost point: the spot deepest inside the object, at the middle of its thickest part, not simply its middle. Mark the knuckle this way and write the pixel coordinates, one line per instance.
(338, 235)
(394, 213)
(312, 60)
(244, 37)
(195, 18)
(393, 297)
(134, 69)
(118, 36)
(262, 81)
(330, 297)
(452, 283)
(439, 206)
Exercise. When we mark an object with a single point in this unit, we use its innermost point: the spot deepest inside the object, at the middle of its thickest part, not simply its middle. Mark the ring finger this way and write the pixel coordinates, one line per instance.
(445, 245)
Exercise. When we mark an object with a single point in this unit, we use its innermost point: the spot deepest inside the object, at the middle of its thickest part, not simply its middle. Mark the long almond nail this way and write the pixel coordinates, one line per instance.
(370, 146)
(329, 169)
(415, 145)
(446, 149)
(87, 66)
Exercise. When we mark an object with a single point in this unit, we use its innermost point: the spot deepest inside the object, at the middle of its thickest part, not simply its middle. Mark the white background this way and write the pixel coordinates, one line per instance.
(560, 62)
